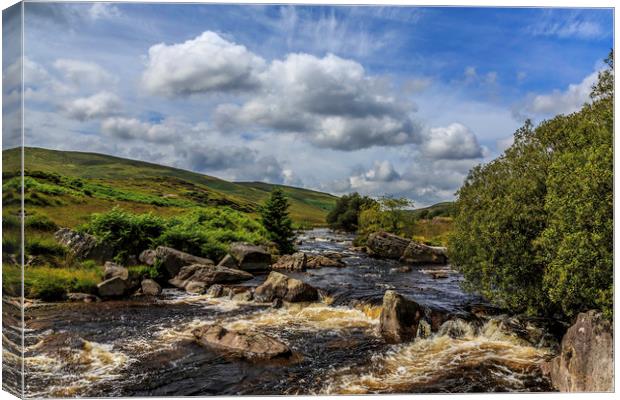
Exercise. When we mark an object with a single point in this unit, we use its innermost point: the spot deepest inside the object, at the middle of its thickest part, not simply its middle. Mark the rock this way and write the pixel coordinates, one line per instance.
(113, 287)
(439, 274)
(228, 261)
(246, 295)
(173, 260)
(196, 287)
(250, 258)
(215, 291)
(456, 328)
(320, 261)
(276, 303)
(424, 330)
(83, 297)
(403, 269)
(84, 246)
(288, 289)
(150, 287)
(358, 249)
(295, 262)
(586, 360)
(399, 318)
(112, 269)
(208, 275)
(418, 253)
(386, 245)
(148, 257)
(249, 345)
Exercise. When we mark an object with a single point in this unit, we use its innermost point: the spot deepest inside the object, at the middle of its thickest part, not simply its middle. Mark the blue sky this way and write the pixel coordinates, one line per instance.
(381, 100)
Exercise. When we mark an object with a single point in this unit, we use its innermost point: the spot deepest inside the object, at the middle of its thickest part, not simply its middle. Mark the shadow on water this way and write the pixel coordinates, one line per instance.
(144, 347)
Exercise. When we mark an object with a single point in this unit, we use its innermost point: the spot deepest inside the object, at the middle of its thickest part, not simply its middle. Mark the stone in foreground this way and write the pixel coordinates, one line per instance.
(586, 360)
(150, 287)
(400, 318)
(288, 289)
(250, 258)
(249, 345)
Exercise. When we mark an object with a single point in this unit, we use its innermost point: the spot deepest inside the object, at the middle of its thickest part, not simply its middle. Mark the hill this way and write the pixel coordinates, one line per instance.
(68, 186)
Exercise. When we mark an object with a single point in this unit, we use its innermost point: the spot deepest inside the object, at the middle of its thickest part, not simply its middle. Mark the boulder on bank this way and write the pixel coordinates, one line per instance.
(418, 253)
(320, 261)
(150, 287)
(173, 260)
(249, 345)
(292, 262)
(148, 257)
(84, 246)
(288, 289)
(586, 360)
(110, 270)
(228, 261)
(250, 258)
(399, 318)
(386, 245)
(207, 275)
(113, 287)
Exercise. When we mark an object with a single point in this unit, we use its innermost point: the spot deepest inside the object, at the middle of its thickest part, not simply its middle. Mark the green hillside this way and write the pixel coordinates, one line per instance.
(68, 186)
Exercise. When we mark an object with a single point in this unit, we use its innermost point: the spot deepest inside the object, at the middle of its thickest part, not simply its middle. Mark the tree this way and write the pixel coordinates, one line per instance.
(387, 214)
(275, 218)
(533, 229)
(345, 214)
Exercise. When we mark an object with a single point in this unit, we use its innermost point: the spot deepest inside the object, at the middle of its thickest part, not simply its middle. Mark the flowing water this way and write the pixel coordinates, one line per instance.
(144, 347)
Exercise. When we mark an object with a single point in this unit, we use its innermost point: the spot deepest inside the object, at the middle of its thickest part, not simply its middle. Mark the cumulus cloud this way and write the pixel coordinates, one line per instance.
(559, 101)
(331, 101)
(102, 104)
(452, 142)
(103, 10)
(83, 73)
(208, 63)
(133, 129)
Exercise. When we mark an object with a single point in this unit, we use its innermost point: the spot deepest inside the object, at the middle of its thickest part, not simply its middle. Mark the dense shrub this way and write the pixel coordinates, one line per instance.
(345, 214)
(534, 228)
(277, 222)
(40, 222)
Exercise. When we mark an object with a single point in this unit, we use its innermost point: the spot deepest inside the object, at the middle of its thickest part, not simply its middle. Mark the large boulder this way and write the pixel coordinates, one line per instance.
(418, 253)
(399, 318)
(586, 360)
(228, 261)
(249, 345)
(148, 257)
(113, 287)
(386, 245)
(319, 261)
(294, 262)
(208, 275)
(173, 260)
(110, 270)
(288, 289)
(250, 258)
(150, 287)
(84, 246)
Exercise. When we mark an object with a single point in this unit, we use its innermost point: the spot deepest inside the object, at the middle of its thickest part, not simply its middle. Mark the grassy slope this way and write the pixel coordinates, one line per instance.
(137, 179)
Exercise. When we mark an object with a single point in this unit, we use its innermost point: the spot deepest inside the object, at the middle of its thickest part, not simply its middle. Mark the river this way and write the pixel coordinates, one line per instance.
(143, 347)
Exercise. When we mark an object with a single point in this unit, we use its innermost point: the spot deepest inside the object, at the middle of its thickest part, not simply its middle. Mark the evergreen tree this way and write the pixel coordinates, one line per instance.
(276, 220)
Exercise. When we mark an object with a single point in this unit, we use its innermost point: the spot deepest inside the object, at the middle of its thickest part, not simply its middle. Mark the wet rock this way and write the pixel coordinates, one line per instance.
(110, 270)
(150, 287)
(196, 287)
(537, 332)
(586, 360)
(418, 253)
(250, 258)
(245, 295)
(228, 261)
(84, 246)
(424, 330)
(113, 287)
(215, 291)
(399, 318)
(456, 328)
(402, 269)
(148, 257)
(439, 274)
(288, 289)
(386, 245)
(173, 260)
(249, 345)
(294, 262)
(208, 275)
(276, 303)
(320, 261)
(82, 297)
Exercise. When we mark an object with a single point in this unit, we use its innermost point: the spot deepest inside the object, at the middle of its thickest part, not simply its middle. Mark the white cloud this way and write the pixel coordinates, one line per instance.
(573, 27)
(208, 63)
(167, 131)
(103, 10)
(491, 78)
(102, 104)
(452, 142)
(83, 73)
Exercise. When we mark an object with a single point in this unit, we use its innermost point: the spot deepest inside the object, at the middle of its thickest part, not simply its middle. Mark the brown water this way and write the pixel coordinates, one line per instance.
(140, 347)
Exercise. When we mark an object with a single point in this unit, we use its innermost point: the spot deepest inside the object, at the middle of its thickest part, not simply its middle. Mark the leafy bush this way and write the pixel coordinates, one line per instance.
(276, 220)
(40, 222)
(345, 214)
(534, 228)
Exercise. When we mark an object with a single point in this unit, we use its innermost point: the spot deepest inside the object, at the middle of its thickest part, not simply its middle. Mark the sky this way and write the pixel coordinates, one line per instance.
(398, 101)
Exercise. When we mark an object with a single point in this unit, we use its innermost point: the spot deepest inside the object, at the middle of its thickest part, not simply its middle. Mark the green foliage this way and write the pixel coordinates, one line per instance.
(387, 214)
(144, 271)
(40, 222)
(534, 228)
(277, 223)
(345, 214)
(36, 246)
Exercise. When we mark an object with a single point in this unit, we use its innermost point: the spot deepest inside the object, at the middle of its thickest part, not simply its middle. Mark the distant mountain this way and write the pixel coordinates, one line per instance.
(92, 182)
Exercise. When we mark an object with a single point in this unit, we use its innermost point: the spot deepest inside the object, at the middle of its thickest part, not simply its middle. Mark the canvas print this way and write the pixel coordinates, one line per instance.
(237, 199)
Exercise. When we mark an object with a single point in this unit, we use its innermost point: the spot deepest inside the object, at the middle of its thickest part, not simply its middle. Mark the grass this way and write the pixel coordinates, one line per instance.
(433, 232)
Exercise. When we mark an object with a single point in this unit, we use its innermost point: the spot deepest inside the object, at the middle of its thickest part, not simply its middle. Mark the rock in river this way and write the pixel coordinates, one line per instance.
(208, 275)
(418, 253)
(250, 345)
(113, 287)
(172, 260)
(586, 360)
(386, 245)
(250, 258)
(320, 261)
(293, 262)
(150, 287)
(399, 318)
(288, 289)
